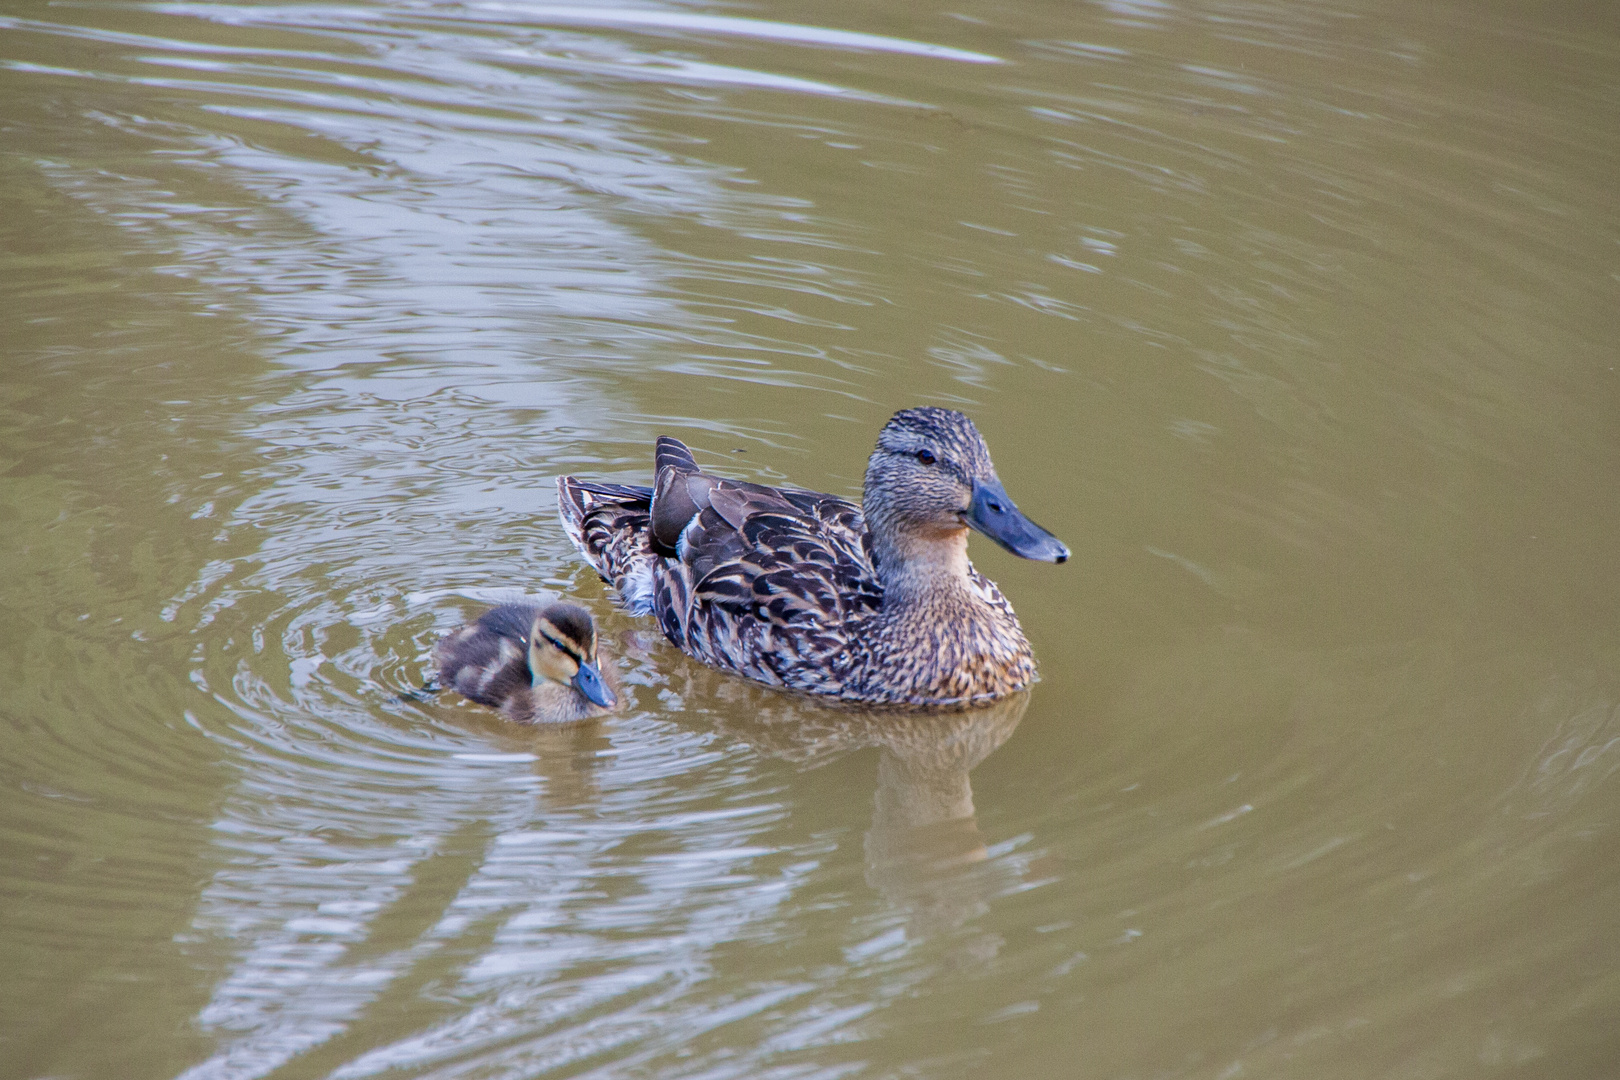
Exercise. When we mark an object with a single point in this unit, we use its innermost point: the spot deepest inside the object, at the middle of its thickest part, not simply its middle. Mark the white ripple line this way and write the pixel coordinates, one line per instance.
(726, 24)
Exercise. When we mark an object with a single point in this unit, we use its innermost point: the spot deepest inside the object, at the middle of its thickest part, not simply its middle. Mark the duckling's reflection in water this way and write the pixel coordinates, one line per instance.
(567, 757)
(924, 852)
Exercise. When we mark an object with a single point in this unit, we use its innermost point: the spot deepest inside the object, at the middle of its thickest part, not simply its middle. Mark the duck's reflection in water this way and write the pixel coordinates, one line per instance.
(924, 852)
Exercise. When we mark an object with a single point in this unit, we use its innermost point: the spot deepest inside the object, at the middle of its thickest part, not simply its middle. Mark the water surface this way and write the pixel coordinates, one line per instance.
(1296, 321)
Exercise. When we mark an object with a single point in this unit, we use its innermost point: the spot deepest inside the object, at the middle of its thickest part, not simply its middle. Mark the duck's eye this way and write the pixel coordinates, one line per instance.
(926, 457)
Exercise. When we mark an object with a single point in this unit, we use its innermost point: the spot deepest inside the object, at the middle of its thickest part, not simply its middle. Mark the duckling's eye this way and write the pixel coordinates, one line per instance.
(926, 457)
(559, 646)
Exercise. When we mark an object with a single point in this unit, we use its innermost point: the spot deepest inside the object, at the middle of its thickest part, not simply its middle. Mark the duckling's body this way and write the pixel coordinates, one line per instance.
(875, 603)
(537, 665)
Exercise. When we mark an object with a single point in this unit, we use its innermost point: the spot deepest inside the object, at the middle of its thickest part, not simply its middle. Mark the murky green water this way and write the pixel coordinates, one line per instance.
(1296, 321)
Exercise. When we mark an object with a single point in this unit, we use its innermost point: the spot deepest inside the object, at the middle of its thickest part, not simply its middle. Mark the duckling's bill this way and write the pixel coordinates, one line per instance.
(588, 681)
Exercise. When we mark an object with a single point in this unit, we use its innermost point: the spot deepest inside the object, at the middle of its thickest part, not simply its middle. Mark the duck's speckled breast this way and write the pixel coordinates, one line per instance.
(953, 649)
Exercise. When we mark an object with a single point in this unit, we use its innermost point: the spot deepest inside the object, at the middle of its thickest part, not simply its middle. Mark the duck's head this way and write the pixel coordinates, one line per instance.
(562, 649)
(930, 477)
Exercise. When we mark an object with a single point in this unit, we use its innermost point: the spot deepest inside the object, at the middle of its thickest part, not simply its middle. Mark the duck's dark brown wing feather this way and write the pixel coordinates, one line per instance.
(771, 583)
(765, 581)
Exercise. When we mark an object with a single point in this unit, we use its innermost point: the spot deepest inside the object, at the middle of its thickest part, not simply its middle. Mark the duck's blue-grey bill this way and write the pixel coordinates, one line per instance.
(993, 514)
(589, 682)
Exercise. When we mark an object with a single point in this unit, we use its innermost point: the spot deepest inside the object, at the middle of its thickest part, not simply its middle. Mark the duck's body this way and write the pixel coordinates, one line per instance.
(536, 665)
(875, 603)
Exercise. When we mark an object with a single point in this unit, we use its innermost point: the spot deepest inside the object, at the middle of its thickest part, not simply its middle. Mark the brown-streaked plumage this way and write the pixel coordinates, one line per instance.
(536, 664)
(875, 603)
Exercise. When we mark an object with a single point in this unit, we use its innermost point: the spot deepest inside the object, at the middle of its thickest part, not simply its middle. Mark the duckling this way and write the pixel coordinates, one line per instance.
(876, 603)
(537, 665)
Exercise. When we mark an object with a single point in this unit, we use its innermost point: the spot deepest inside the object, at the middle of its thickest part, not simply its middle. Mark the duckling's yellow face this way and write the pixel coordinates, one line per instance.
(562, 649)
(556, 653)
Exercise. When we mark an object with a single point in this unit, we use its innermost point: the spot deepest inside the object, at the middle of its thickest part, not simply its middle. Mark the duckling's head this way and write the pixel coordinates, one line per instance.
(562, 649)
(931, 478)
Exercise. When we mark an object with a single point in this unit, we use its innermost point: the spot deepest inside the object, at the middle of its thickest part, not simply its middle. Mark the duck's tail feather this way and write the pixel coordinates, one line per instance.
(680, 493)
(608, 524)
(670, 451)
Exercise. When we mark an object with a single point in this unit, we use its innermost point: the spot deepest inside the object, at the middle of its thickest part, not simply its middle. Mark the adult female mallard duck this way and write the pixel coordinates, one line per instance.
(874, 603)
(537, 665)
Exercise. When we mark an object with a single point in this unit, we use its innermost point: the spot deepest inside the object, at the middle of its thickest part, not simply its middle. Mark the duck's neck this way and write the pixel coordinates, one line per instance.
(923, 571)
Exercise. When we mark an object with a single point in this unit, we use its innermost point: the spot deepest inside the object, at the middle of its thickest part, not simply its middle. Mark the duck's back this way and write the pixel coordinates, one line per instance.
(774, 585)
(769, 583)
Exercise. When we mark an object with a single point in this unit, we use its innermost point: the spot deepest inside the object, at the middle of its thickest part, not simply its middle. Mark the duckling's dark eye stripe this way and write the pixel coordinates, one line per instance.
(567, 650)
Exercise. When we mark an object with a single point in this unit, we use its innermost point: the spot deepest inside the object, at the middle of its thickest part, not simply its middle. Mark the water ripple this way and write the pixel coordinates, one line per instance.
(1234, 275)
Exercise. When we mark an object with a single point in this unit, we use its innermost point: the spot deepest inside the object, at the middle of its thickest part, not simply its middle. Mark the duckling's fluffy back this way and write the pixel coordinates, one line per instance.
(487, 661)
